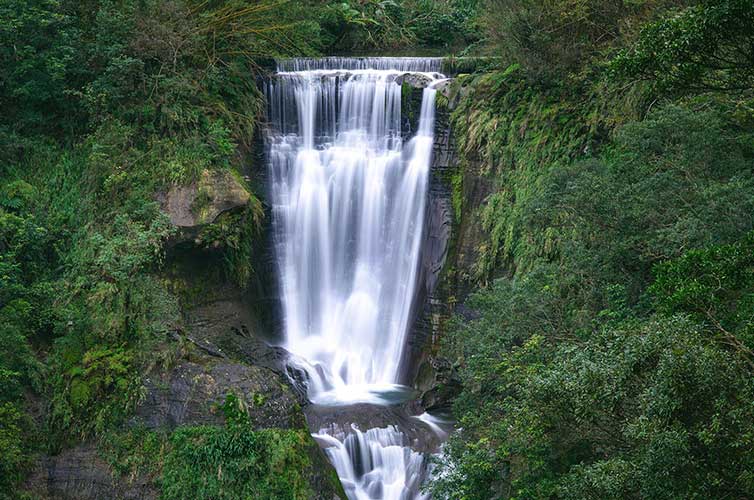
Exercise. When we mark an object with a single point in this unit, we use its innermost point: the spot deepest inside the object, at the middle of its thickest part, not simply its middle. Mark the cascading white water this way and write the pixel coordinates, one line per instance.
(348, 208)
(404, 64)
(377, 463)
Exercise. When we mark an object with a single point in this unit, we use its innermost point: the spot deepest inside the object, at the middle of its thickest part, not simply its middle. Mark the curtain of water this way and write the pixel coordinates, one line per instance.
(348, 209)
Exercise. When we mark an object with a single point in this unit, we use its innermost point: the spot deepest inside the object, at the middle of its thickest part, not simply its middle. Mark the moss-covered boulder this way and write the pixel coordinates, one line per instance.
(201, 202)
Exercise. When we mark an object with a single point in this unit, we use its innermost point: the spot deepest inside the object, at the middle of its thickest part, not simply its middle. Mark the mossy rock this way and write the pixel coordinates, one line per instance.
(201, 202)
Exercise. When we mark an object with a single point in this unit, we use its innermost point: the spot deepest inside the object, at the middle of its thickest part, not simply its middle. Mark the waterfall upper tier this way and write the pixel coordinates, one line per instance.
(348, 206)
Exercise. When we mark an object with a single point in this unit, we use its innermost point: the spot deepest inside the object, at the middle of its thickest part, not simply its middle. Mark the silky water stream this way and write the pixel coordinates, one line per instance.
(348, 196)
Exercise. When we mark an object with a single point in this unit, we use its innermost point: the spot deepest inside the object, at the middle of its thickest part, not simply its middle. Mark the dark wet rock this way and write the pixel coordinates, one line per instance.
(443, 384)
(453, 90)
(190, 393)
(467, 313)
(193, 391)
(431, 301)
(228, 327)
(229, 324)
(435, 249)
(469, 233)
(444, 87)
(323, 479)
(338, 422)
(81, 474)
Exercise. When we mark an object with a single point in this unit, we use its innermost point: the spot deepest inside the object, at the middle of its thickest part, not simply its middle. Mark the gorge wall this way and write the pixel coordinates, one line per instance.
(223, 343)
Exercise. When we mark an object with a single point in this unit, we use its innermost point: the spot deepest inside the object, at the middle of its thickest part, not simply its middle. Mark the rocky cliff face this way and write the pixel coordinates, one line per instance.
(452, 240)
(428, 306)
(218, 348)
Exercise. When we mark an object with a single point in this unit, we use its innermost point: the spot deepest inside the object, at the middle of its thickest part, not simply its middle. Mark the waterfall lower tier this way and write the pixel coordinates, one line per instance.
(377, 463)
(348, 199)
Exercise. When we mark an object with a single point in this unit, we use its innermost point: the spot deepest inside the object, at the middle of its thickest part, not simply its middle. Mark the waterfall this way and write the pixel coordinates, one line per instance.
(377, 463)
(348, 201)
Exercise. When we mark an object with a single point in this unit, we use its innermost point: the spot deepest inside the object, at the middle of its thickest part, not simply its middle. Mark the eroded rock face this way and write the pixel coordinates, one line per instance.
(219, 350)
(192, 393)
(81, 474)
(440, 383)
(457, 225)
(431, 301)
(201, 202)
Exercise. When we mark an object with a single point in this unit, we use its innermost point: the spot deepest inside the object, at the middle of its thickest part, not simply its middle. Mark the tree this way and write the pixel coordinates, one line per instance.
(716, 286)
(704, 48)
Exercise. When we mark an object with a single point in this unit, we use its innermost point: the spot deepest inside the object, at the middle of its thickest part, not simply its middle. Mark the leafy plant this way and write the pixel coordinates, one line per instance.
(235, 462)
(707, 47)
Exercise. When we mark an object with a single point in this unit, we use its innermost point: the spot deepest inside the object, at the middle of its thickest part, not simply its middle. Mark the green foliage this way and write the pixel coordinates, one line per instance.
(210, 462)
(26, 314)
(547, 196)
(167, 66)
(516, 132)
(106, 104)
(613, 218)
(215, 462)
(387, 24)
(136, 454)
(716, 286)
(94, 392)
(14, 446)
(234, 235)
(706, 47)
(37, 55)
(561, 35)
(606, 415)
(614, 357)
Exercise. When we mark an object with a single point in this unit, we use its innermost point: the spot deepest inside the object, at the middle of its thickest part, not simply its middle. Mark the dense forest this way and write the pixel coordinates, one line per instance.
(603, 338)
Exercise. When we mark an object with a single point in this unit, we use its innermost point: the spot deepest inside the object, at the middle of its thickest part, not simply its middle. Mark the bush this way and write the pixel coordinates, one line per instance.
(708, 47)
(714, 285)
(638, 409)
(614, 217)
(216, 462)
(551, 36)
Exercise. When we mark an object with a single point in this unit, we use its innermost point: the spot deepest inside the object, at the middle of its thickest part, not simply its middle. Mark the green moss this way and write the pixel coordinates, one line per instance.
(407, 107)
(459, 65)
(136, 453)
(232, 234)
(232, 462)
(456, 194)
(441, 104)
(258, 399)
(516, 133)
(201, 204)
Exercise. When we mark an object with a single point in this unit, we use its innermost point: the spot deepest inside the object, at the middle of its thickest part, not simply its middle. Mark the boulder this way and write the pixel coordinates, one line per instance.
(201, 202)
(440, 383)
(415, 80)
